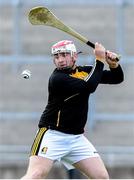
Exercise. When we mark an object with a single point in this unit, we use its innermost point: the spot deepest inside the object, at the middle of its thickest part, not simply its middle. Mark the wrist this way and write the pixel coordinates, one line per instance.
(113, 65)
(101, 60)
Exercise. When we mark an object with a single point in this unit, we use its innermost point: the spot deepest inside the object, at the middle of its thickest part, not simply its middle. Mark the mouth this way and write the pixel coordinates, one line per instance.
(62, 65)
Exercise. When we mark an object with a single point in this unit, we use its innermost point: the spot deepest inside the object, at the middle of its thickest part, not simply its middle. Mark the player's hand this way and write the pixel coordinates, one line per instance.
(99, 52)
(111, 59)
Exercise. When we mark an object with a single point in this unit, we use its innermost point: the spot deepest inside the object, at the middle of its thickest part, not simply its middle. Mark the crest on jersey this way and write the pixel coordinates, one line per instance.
(44, 150)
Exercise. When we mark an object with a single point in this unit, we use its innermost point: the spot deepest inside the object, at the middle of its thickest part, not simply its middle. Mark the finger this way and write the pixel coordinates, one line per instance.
(111, 56)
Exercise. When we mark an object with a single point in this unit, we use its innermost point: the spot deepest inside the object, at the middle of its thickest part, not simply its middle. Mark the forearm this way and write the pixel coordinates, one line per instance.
(94, 78)
(113, 76)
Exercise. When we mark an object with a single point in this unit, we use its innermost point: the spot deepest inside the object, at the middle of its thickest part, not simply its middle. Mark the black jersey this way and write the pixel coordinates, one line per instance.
(69, 91)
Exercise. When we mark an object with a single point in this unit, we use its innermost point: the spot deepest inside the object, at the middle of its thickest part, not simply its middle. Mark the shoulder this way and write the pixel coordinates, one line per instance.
(57, 76)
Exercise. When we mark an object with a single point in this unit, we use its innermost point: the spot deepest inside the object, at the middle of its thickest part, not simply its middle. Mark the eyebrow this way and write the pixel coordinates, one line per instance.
(63, 53)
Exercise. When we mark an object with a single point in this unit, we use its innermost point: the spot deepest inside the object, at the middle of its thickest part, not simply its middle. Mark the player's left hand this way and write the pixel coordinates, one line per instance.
(111, 59)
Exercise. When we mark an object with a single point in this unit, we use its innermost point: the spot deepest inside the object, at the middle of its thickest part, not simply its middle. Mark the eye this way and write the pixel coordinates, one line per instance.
(63, 54)
(56, 56)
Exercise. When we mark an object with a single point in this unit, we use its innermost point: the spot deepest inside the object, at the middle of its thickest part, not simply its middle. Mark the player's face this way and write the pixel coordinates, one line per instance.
(64, 60)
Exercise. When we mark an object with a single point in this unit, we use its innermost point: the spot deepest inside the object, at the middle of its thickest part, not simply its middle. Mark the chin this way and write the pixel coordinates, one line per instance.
(66, 68)
(63, 67)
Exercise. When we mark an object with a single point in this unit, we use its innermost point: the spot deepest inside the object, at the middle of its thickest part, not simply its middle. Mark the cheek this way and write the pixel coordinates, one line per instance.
(69, 61)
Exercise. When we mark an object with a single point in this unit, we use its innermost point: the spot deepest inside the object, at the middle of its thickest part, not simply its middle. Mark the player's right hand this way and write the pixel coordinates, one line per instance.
(99, 52)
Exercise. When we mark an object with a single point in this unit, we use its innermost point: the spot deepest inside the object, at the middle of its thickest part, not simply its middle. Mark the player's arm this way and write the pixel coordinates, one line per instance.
(65, 83)
(115, 75)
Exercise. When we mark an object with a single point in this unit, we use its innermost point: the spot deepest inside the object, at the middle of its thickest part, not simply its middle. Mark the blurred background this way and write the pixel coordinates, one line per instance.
(110, 124)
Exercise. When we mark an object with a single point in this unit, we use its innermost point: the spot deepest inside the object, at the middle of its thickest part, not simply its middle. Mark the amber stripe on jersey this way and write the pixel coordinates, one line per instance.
(79, 75)
(37, 141)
